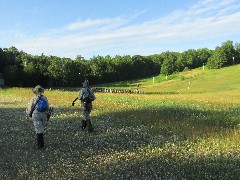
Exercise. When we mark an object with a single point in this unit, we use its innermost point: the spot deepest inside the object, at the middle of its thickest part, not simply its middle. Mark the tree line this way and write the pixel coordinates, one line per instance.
(22, 69)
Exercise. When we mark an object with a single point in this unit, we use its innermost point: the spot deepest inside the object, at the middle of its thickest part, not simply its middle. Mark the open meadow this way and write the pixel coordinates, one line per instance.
(184, 134)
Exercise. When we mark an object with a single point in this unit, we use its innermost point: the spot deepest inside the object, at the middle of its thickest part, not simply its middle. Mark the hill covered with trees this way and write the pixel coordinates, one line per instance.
(22, 69)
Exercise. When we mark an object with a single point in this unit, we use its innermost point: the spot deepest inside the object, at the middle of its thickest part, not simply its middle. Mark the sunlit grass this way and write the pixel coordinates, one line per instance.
(195, 81)
(137, 136)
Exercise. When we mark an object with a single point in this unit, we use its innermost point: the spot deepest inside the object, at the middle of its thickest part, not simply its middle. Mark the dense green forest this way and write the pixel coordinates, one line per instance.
(22, 69)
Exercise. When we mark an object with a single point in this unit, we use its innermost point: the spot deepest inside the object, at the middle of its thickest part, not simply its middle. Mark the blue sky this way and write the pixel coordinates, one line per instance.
(67, 28)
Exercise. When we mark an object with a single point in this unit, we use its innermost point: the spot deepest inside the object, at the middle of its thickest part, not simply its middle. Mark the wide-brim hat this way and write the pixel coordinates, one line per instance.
(38, 90)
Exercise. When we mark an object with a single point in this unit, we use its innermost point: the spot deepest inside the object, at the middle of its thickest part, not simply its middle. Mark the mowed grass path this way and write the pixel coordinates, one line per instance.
(137, 136)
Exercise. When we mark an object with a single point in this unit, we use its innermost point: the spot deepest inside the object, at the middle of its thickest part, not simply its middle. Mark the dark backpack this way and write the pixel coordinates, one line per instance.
(42, 105)
(88, 99)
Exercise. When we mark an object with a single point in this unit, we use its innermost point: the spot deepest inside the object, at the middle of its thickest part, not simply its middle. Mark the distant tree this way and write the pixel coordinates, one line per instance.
(237, 52)
(217, 59)
(2, 62)
(222, 56)
(203, 54)
(157, 58)
(137, 66)
(169, 62)
(189, 59)
(110, 69)
(55, 70)
(34, 68)
(83, 71)
(79, 57)
(100, 68)
(12, 76)
(228, 52)
(12, 69)
(10, 55)
(123, 67)
(167, 67)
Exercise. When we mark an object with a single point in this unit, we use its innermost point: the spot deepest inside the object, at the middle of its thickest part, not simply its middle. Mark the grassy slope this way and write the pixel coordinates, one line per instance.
(196, 81)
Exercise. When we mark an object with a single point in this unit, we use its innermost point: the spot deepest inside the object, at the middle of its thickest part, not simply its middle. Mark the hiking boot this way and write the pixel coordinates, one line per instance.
(89, 125)
(84, 124)
(40, 141)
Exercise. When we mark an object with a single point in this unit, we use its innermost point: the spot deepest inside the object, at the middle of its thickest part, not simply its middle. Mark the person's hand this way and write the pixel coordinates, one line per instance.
(73, 103)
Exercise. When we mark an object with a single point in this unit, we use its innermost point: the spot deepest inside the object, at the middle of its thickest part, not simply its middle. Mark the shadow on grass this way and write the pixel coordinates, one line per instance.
(161, 167)
(70, 151)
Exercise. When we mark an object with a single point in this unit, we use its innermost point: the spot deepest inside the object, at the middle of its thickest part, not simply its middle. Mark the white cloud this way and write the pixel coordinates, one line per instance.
(84, 24)
(205, 20)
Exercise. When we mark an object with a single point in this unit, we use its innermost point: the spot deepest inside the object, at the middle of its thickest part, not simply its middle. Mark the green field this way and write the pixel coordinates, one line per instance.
(186, 127)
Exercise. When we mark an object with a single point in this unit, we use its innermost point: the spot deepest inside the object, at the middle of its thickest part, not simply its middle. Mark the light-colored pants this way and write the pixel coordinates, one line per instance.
(86, 110)
(39, 119)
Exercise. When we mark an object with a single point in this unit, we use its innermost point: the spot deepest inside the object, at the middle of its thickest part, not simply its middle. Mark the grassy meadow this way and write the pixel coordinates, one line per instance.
(186, 127)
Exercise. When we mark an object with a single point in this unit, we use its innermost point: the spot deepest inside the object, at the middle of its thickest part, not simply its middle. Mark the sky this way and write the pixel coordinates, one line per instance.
(67, 28)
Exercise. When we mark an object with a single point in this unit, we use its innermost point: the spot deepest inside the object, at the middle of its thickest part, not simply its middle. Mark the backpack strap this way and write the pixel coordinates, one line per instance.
(89, 92)
(34, 107)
